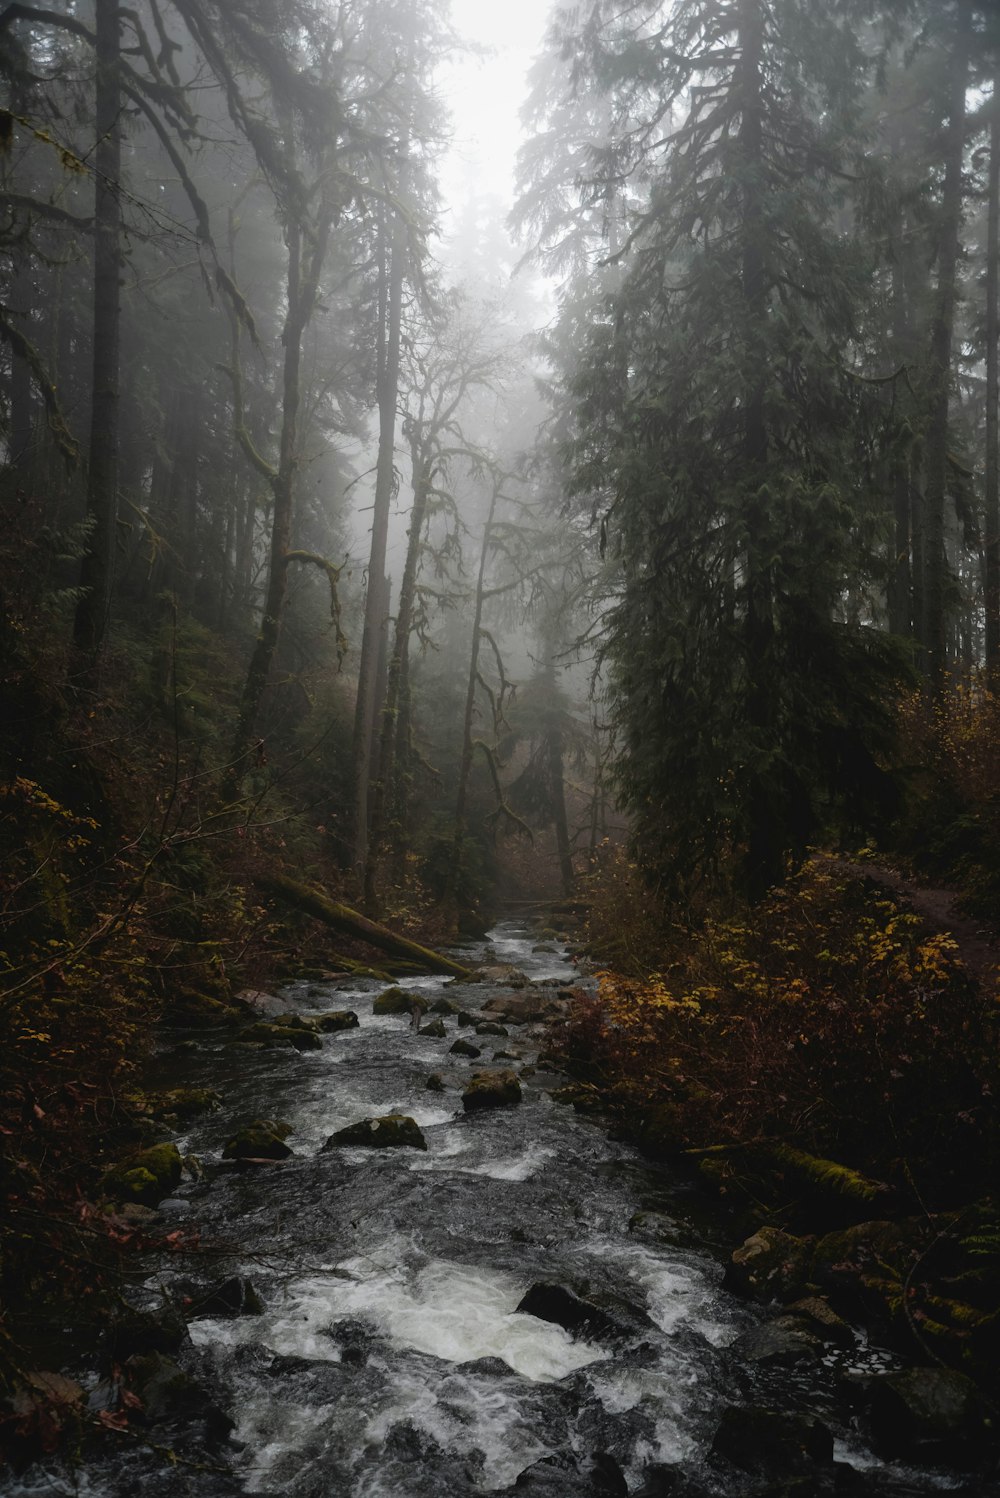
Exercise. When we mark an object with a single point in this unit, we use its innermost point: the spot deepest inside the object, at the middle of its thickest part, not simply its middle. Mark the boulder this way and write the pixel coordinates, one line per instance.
(167, 1393)
(820, 1316)
(539, 1005)
(391, 1131)
(146, 1177)
(134, 1332)
(490, 1027)
(397, 1000)
(465, 1048)
(261, 1140)
(233, 1297)
(564, 1473)
(267, 1005)
(435, 1082)
(502, 974)
(336, 1020)
(300, 1037)
(434, 1029)
(771, 1264)
(444, 1005)
(782, 1343)
(581, 1318)
(182, 1103)
(927, 1415)
(491, 1089)
(769, 1441)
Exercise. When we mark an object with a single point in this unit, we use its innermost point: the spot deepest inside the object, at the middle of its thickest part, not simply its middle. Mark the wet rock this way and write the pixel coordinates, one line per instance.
(762, 1440)
(299, 1037)
(233, 1297)
(503, 974)
(465, 1048)
(782, 1343)
(336, 1020)
(434, 1029)
(181, 1103)
(397, 1000)
(435, 1082)
(818, 1314)
(491, 1089)
(927, 1415)
(202, 1011)
(563, 1474)
(663, 1481)
(657, 1227)
(135, 1332)
(465, 1019)
(146, 1177)
(486, 1368)
(490, 1027)
(547, 948)
(167, 1392)
(771, 1264)
(527, 1008)
(579, 1317)
(391, 1131)
(446, 1006)
(505, 1056)
(263, 1139)
(265, 1004)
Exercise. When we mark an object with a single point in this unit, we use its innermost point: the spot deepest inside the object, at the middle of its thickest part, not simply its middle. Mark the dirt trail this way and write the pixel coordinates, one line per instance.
(978, 942)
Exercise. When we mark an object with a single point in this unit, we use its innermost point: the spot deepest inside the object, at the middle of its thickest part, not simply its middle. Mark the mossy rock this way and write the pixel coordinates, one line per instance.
(490, 1027)
(295, 1021)
(928, 1415)
(465, 1048)
(491, 1089)
(771, 1264)
(434, 1029)
(183, 1103)
(435, 1082)
(263, 1139)
(444, 1005)
(268, 1035)
(763, 1440)
(397, 1000)
(201, 1010)
(391, 1131)
(337, 1020)
(146, 1177)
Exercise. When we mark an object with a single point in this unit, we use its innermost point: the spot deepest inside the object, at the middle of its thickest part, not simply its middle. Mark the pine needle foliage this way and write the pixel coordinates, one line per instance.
(736, 452)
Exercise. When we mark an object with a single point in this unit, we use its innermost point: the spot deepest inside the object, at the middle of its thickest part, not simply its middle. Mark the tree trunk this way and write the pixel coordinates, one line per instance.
(764, 858)
(97, 571)
(303, 280)
(376, 603)
(395, 682)
(468, 744)
(939, 363)
(992, 507)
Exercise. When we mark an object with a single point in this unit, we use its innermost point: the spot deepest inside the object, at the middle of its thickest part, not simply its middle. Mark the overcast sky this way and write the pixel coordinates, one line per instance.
(485, 95)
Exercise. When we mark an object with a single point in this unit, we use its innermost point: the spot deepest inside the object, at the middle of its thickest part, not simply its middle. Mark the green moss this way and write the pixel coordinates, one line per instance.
(145, 1178)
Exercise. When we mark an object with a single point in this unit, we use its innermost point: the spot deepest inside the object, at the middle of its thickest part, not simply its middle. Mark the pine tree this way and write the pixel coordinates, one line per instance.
(720, 417)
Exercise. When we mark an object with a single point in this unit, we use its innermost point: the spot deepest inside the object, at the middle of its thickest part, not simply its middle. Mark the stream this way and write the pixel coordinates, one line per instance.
(390, 1360)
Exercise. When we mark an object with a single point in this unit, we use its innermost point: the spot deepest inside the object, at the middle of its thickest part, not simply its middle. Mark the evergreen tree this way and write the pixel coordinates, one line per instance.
(719, 415)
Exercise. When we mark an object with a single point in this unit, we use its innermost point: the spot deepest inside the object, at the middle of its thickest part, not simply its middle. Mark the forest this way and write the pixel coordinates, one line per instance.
(586, 594)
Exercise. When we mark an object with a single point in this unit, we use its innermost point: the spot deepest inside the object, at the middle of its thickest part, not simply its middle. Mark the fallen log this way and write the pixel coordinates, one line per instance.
(343, 918)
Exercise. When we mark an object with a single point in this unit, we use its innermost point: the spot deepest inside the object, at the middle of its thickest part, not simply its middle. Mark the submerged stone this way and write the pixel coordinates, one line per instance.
(391, 1131)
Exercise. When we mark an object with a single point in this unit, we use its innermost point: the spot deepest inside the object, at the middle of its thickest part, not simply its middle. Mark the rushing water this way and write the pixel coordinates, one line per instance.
(391, 1361)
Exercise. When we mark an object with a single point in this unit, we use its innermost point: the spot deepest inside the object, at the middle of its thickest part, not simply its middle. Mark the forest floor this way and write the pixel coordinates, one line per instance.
(977, 942)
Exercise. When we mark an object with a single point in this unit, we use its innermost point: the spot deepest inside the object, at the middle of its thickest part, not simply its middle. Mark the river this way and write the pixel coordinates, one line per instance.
(390, 1360)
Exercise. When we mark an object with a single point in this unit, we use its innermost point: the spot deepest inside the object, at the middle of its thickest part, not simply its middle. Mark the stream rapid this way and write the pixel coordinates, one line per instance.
(391, 1361)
